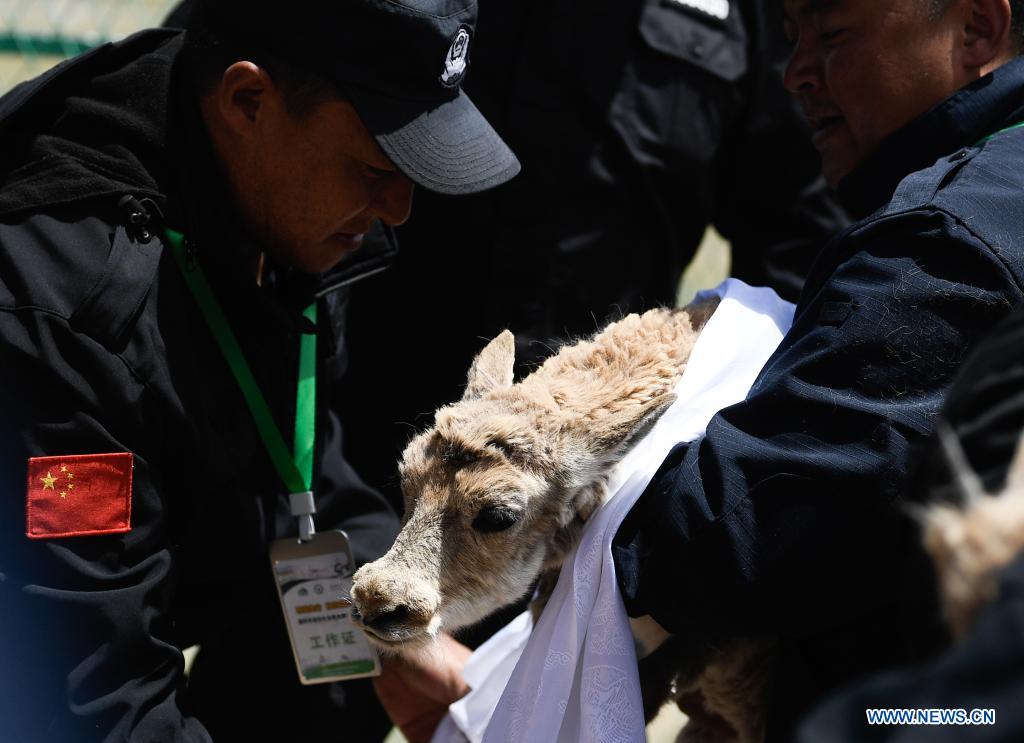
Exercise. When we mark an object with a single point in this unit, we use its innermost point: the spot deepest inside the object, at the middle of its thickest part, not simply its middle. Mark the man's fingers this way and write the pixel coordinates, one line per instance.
(436, 671)
(417, 689)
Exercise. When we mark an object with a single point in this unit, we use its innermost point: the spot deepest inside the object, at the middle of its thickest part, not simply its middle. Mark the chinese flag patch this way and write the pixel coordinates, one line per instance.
(79, 495)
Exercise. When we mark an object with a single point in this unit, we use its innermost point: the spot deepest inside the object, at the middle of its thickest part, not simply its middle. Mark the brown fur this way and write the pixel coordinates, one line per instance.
(969, 546)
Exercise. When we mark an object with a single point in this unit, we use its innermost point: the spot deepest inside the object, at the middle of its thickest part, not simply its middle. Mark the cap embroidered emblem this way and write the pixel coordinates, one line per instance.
(456, 61)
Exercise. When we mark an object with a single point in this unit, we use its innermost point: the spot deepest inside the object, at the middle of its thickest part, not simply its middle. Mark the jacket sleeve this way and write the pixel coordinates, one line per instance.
(771, 201)
(83, 618)
(782, 518)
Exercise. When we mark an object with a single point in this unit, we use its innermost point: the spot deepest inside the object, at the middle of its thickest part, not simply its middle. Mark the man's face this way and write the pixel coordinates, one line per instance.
(316, 183)
(862, 69)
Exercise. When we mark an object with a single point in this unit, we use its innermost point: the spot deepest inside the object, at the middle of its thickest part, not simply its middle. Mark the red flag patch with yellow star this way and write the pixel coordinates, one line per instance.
(79, 495)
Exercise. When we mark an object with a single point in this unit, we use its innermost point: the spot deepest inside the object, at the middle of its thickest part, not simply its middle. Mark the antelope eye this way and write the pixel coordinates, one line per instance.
(458, 457)
(495, 518)
(503, 446)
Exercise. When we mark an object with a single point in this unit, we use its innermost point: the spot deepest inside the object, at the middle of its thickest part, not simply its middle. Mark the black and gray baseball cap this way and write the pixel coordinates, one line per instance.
(401, 63)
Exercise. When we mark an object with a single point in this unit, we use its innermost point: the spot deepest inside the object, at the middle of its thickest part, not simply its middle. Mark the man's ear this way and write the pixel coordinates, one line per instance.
(242, 93)
(492, 369)
(987, 34)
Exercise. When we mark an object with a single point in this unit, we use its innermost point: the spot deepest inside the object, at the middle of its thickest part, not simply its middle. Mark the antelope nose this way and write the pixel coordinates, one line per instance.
(393, 603)
(389, 619)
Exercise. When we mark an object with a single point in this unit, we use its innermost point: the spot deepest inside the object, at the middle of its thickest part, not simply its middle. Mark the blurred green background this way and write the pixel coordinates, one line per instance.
(36, 34)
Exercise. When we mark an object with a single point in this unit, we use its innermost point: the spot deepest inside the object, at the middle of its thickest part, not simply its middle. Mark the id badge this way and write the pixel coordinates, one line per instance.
(313, 582)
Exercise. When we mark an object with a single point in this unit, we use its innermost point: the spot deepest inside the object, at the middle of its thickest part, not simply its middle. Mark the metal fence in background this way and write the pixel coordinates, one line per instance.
(37, 34)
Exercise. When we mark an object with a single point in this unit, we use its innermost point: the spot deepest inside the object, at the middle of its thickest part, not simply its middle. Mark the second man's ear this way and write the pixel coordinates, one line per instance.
(987, 32)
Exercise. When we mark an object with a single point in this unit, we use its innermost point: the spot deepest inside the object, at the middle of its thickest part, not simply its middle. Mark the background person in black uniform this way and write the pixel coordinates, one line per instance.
(638, 123)
(244, 143)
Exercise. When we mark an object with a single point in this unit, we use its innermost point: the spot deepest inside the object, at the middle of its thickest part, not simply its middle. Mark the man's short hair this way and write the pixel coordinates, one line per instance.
(1016, 24)
(210, 49)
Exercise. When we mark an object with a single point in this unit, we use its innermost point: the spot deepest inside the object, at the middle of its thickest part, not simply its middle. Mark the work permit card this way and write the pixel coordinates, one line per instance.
(313, 582)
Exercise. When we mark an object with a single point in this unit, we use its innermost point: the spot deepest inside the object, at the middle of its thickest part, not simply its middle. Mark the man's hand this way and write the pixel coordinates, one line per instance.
(417, 690)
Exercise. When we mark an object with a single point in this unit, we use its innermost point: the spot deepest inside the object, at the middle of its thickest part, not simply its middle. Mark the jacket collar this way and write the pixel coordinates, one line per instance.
(975, 111)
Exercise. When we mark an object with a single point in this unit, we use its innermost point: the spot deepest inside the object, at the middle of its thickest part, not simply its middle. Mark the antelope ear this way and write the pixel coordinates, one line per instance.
(618, 431)
(1015, 475)
(607, 435)
(492, 369)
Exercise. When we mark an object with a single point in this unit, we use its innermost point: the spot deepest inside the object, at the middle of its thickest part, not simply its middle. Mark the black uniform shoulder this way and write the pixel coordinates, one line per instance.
(970, 197)
(979, 188)
(86, 264)
(93, 126)
(986, 194)
(82, 137)
(708, 34)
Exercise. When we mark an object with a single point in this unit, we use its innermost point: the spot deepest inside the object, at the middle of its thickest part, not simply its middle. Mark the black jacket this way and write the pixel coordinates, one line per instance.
(638, 124)
(782, 520)
(103, 349)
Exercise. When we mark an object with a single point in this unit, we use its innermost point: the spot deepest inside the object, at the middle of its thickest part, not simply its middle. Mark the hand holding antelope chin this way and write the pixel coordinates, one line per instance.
(417, 688)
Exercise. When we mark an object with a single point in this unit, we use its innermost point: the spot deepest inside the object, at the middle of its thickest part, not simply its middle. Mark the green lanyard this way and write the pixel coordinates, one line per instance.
(983, 140)
(295, 470)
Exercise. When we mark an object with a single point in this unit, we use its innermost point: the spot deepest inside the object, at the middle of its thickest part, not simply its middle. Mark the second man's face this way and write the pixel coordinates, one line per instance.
(862, 69)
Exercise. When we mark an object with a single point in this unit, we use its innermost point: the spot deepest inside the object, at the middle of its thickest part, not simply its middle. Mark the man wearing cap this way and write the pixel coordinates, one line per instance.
(138, 495)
